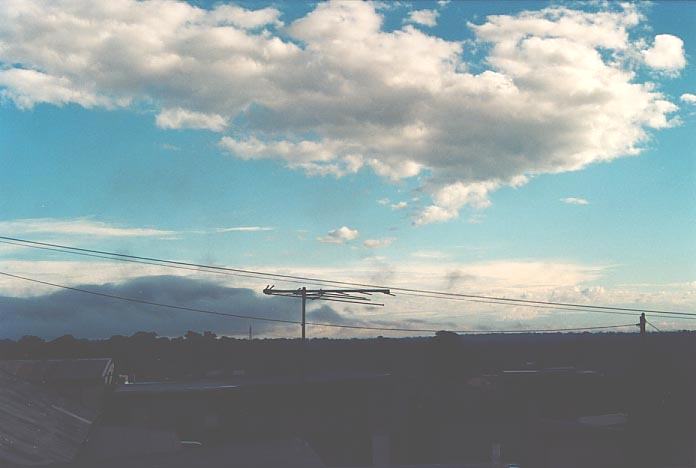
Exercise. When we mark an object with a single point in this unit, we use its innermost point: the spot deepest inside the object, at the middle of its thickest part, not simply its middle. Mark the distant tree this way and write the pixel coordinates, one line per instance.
(67, 346)
(144, 336)
(30, 340)
(444, 336)
(30, 346)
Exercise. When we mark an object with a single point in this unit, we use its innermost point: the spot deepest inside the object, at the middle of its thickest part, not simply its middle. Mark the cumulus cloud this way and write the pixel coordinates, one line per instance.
(30, 87)
(325, 157)
(246, 19)
(399, 206)
(688, 98)
(424, 17)
(76, 226)
(575, 201)
(377, 243)
(337, 93)
(182, 118)
(667, 53)
(339, 236)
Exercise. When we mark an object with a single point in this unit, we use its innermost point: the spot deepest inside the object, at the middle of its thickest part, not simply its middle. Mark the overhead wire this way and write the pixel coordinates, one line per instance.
(318, 281)
(542, 306)
(199, 269)
(294, 322)
(202, 268)
(223, 272)
(656, 329)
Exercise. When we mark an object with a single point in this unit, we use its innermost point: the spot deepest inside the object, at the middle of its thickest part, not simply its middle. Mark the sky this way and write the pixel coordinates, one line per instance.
(537, 150)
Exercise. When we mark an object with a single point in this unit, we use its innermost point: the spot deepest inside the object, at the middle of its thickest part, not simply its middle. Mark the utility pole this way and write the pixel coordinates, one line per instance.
(642, 323)
(251, 336)
(304, 310)
(353, 296)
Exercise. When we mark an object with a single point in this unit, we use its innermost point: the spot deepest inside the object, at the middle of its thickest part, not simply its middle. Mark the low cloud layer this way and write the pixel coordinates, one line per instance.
(83, 315)
(28, 308)
(333, 92)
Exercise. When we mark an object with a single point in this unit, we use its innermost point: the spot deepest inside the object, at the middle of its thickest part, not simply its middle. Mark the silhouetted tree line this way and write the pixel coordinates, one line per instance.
(447, 355)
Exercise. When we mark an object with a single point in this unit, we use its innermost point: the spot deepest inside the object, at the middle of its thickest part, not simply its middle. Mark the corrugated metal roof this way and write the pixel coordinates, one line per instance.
(38, 427)
(144, 388)
(57, 370)
(292, 453)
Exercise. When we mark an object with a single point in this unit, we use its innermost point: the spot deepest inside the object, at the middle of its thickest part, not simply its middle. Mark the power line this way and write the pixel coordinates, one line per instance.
(142, 301)
(294, 322)
(656, 329)
(541, 306)
(198, 269)
(294, 278)
(227, 273)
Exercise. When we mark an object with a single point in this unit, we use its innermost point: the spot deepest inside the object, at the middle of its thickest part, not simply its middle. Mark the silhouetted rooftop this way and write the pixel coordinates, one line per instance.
(38, 427)
(286, 453)
(245, 381)
(57, 370)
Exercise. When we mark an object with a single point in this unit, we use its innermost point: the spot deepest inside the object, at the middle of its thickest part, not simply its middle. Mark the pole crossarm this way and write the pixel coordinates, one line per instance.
(354, 296)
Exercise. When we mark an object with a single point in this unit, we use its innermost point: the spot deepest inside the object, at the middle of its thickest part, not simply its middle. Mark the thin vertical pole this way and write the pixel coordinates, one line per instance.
(641, 324)
(304, 303)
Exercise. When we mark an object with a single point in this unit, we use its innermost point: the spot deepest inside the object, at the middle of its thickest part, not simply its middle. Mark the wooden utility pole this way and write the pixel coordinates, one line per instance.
(353, 296)
(304, 312)
(642, 323)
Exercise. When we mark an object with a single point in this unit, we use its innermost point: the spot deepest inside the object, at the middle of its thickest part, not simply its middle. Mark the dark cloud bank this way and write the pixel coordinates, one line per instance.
(88, 316)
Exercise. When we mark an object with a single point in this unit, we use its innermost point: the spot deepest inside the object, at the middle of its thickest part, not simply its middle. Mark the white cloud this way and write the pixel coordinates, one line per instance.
(316, 158)
(377, 243)
(27, 88)
(667, 53)
(688, 98)
(245, 229)
(424, 17)
(575, 201)
(383, 201)
(399, 206)
(450, 198)
(76, 226)
(339, 236)
(342, 94)
(247, 19)
(182, 118)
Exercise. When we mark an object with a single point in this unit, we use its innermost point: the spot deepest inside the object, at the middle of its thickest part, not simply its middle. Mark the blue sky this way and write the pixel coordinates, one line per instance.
(417, 149)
